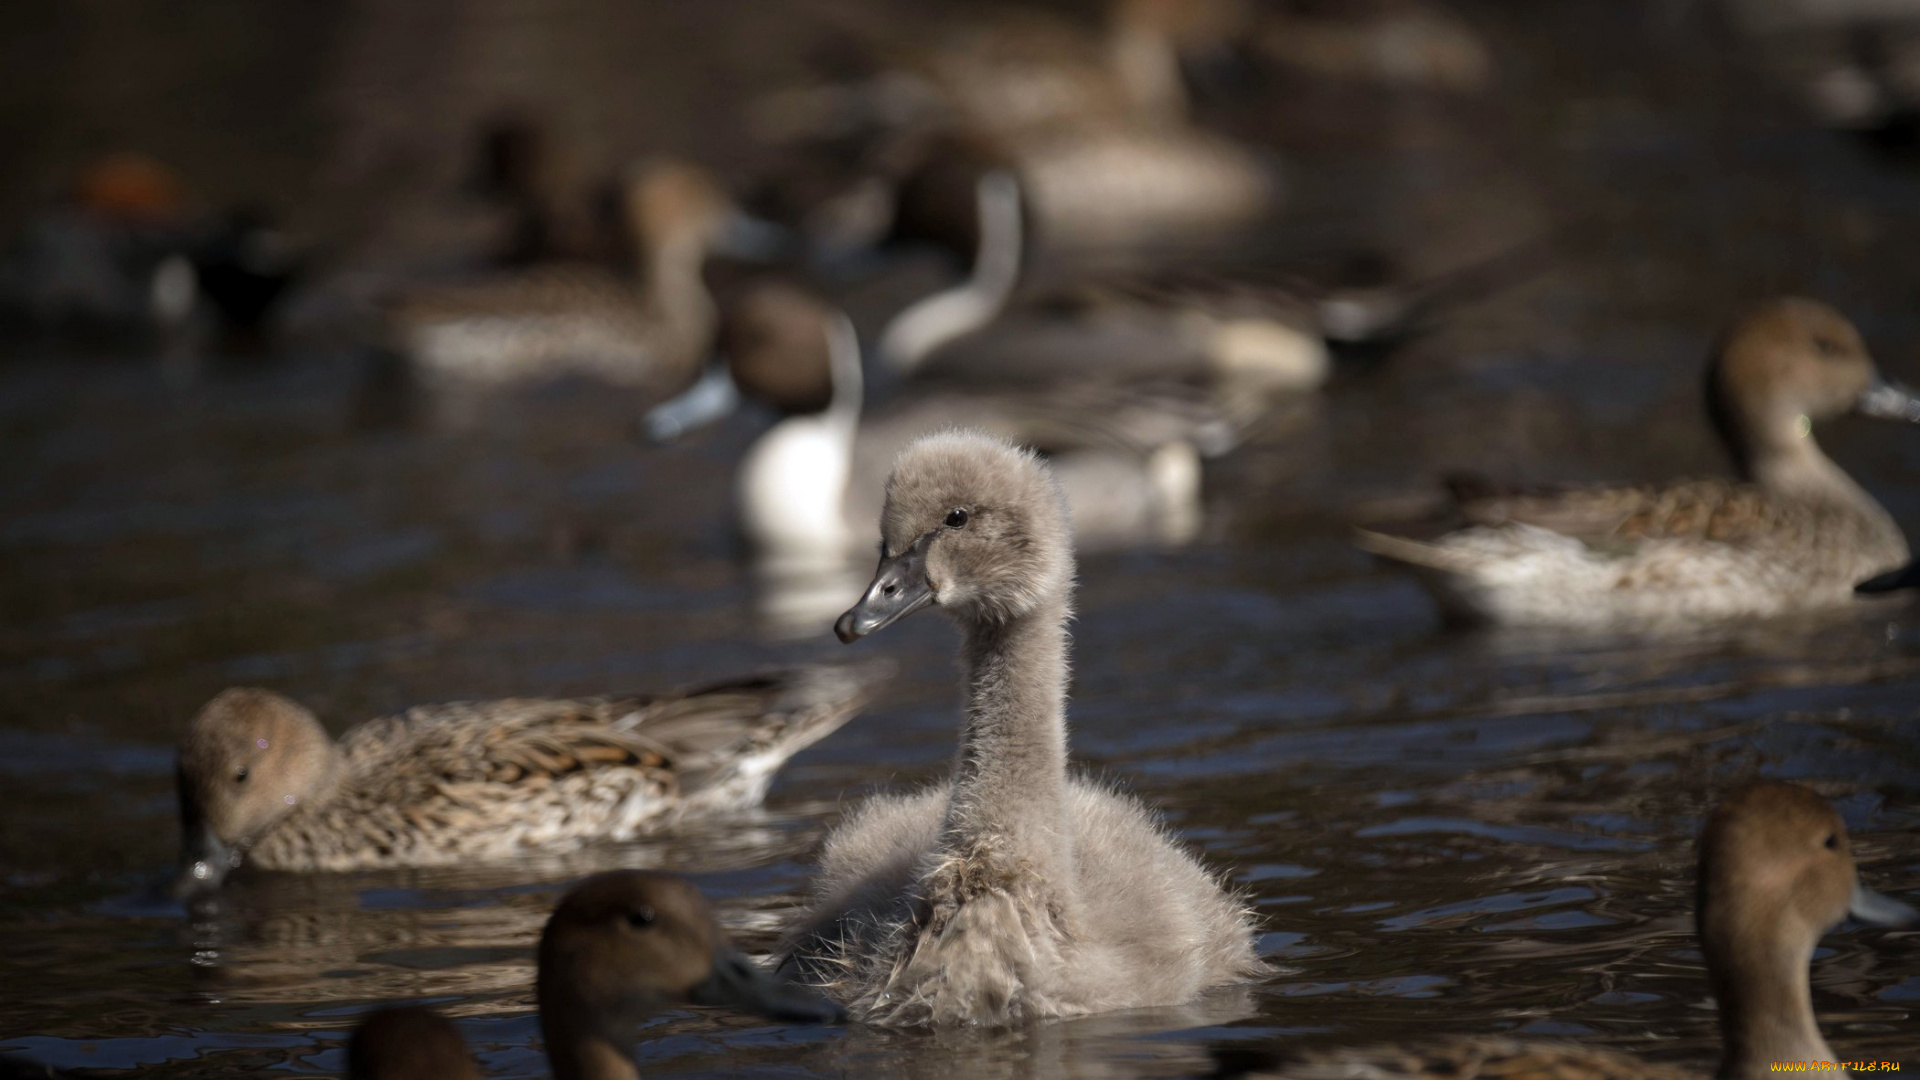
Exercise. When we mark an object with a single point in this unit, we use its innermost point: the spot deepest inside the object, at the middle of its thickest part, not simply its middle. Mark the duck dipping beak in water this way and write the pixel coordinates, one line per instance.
(900, 588)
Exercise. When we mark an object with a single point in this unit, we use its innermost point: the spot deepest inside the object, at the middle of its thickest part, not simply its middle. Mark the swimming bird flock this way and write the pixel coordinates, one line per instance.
(984, 435)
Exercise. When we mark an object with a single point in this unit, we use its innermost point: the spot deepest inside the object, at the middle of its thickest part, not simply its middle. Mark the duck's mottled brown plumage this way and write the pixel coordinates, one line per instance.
(1776, 872)
(1793, 533)
(482, 780)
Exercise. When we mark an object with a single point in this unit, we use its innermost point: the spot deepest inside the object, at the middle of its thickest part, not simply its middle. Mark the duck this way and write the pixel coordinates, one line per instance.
(1014, 891)
(261, 782)
(1776, 873)
(1793, 533)
(551, 320)
(1128, 458)
(1257, 329)
(401, 1042)
(619, 948)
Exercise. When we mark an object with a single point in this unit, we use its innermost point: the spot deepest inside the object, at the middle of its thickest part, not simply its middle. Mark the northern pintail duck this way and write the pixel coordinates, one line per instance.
(1128, 459)
(1776, 873)
(261, 780)
(1246, 327)
(1400, 44)
(645, 330)
(1015, 891)
(1793, 533)
(620, 948)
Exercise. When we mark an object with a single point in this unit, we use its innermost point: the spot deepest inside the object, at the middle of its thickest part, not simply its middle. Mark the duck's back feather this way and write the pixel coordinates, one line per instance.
(446, 783)
(1460, 1059)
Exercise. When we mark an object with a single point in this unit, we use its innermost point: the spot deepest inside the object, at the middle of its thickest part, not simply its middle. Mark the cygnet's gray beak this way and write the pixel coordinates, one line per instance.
(739, 983)
(1875, 909)
(1887, 400)
(715, 396)
(899, 589)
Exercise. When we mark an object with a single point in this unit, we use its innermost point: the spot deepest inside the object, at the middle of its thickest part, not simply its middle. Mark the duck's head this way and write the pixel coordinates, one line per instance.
(973, 524)
(406, 1042)
(249, 759)
(1776, 873)
(1788, 364)
(624, 945)
(676, 205)
(775, 338)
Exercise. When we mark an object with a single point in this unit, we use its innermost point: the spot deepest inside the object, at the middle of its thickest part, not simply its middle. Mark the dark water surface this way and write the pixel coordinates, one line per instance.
(1442, 831)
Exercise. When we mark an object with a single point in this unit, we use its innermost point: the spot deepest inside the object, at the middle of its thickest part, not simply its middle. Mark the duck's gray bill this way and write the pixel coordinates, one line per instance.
(739, 983)
(1876, 910)
(899, 589)
(1889, 401)
(1907, 577)
(706, 401)
(205, 862)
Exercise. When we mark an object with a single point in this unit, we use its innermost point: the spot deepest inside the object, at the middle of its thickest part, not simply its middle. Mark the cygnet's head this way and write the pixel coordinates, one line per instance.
(973, 524)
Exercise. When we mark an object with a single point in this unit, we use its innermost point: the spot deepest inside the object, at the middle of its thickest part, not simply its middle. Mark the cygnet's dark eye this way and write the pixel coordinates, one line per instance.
(240, 775)
(640, 918)
(1828, 346)
(1833, 841)
(957, 518)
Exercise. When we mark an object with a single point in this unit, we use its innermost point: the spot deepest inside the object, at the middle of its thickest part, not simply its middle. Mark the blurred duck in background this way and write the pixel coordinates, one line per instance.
(1256, 329)
(1093, 123)
(261, 780)
(1776, 874)
(619, 949)
(646, 329)
(1414, 45)
(1795, 532)
(808, 490)
(125, 258)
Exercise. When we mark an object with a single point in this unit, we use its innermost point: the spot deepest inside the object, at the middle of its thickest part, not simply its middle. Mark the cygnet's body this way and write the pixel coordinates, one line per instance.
(619, 948)
(1015, 891)
(1794, 533)
(1776, 873)
(260, 779)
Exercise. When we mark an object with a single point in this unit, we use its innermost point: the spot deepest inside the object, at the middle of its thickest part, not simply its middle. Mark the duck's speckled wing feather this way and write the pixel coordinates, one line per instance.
(1715, 510)
(1461, 1059)
(476, 780)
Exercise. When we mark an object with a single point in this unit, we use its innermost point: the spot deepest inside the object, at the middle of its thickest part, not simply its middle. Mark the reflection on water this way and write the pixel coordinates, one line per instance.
(1442, 831)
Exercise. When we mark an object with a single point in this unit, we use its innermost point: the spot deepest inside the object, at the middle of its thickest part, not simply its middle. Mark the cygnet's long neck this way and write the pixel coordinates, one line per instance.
(930, 323)
(1010, 778)
(1766, 1009)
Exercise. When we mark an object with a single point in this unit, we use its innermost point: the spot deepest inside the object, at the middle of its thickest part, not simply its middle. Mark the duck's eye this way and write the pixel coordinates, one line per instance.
(240, 775)
(640, 918)
(957, 518)
(1833, 841)
(1828, 346)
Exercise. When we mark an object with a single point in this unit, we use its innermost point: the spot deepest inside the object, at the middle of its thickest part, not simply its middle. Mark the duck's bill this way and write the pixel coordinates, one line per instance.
(752, 239)
(1875, 909)
(1907, 577)
(205, 861)
(1889, 401)
(899, 589)
(705, 402)
(739, 983)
